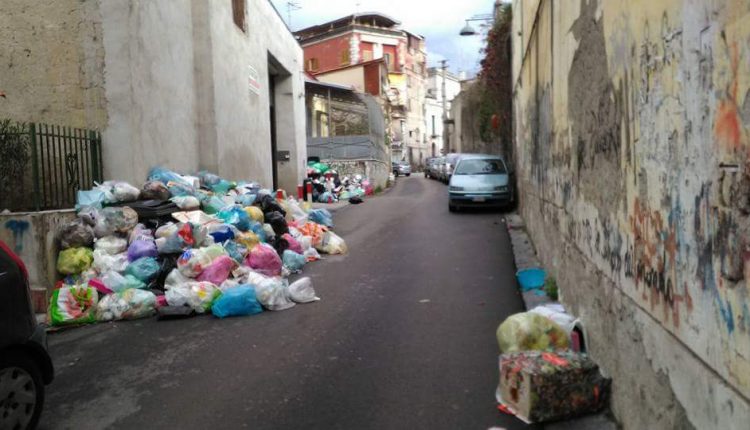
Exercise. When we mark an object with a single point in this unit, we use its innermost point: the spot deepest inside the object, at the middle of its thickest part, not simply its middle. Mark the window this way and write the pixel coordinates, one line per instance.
(345, 57)
(388, 60)
(238, 11)
(312, 65)
(367, 55)
(433, 125)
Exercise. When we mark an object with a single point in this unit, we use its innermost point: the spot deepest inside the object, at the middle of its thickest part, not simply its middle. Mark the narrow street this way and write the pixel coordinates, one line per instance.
(403, 338)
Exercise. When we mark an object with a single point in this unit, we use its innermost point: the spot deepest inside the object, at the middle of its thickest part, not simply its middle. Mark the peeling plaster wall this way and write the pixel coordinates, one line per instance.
(632, 125)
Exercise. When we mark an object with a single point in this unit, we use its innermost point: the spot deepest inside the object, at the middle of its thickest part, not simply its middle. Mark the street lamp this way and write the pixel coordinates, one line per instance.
(468, 30)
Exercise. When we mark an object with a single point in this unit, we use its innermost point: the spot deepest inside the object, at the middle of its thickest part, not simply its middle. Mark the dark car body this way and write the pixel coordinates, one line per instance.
(23, 347)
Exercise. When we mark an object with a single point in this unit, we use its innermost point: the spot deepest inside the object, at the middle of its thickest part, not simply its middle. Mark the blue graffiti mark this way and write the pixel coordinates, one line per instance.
(18, 227)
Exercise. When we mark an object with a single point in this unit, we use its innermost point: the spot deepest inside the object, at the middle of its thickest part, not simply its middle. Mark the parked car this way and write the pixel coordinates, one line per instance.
(480, 180)
(450, 163)
(25, 365)
(401, 168)
(430, 170)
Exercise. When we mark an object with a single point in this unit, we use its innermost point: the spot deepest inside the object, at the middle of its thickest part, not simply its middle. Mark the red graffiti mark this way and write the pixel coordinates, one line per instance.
(727, 128)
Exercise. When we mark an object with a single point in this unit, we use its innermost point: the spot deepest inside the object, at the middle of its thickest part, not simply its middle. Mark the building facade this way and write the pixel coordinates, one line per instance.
(199, 93)
(632, 133)
(362, 38)
(434, 107)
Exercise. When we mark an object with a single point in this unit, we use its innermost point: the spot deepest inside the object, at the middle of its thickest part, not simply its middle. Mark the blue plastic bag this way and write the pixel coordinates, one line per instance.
(245, 199)
(293, 261)
(235, 216)
(257, 228)
(165, 175)
(222, 233)
(212, 205)
(322, 217)
(235, 250)
(237, 301)
(90, 198)
(144, 269)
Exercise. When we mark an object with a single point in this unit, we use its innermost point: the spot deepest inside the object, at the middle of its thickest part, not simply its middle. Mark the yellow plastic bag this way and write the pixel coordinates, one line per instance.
(529, 331)
(248, 239)
(73, 261)
(254, 213)
(332, 244)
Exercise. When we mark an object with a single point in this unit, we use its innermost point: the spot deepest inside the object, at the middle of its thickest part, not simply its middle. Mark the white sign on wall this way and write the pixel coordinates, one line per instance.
(253, 80)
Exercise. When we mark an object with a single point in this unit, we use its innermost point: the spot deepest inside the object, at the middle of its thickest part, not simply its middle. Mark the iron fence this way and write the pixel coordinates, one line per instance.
(42, 166)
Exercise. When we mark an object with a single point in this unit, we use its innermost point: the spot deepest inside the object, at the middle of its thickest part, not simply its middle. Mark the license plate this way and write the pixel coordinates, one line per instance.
(478, 199)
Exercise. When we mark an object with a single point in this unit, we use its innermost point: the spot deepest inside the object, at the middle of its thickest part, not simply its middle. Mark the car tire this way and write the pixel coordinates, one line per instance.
(17, 367)
(395, 174)
(408, 174)
(452, 208)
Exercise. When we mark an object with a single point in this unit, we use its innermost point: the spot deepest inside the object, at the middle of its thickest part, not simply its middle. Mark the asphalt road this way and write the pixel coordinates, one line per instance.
(404, 338)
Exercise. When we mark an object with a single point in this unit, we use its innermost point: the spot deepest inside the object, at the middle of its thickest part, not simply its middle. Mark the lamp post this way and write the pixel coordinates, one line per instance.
(468, 30)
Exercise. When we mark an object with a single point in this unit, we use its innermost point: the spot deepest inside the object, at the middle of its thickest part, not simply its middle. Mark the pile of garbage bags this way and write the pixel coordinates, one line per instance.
(328, 187)
(183, 245)
(543, 374)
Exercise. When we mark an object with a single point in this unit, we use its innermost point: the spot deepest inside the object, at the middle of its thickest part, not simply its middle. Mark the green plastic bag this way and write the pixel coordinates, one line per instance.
(73, 305)
(73, 261)
(144, 269)
(528, 331)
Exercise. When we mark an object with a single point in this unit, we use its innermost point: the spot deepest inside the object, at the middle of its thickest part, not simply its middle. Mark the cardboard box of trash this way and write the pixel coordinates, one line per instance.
(545, 386)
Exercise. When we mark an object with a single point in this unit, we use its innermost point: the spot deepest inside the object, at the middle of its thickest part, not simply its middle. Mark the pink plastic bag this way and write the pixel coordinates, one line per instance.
(293, 244)
(218, 271)
(264, 260)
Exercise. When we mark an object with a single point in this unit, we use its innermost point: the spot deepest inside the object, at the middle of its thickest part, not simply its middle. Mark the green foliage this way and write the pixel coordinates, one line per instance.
(378, 189)
(550, 288)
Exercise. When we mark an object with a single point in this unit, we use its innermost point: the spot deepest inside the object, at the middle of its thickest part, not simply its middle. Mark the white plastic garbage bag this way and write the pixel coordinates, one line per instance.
(105, 262)
(198, 295)
(127, 304)
(111, 245)
(302, 291)
(270, 292)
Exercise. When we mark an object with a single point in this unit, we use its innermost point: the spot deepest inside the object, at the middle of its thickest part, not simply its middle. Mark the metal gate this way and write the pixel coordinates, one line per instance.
(43, 166)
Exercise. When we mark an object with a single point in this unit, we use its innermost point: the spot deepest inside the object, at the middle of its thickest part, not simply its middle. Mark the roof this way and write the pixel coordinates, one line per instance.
(375, 19)
(329, 85)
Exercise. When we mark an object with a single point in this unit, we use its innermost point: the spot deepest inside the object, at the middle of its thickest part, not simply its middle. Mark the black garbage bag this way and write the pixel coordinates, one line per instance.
(154, 190)
(278, 222)
(168, 263)
(269, 204)
(280, 245)
(355, 200)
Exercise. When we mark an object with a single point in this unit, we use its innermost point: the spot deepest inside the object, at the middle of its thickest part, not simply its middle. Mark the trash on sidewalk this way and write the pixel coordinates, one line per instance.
(182, 244)
(528, 331)
(328, 187)
(541, 386)
(531, 279)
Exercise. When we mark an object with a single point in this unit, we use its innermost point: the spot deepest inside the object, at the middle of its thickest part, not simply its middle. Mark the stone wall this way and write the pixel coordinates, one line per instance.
(51, 63)
(632, 127)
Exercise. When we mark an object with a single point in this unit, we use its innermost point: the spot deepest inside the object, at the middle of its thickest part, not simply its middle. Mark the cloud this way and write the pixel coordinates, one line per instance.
(439, 21)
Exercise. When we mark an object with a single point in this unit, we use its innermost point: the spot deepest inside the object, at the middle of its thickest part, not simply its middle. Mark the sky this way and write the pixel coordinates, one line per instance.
(439, 21)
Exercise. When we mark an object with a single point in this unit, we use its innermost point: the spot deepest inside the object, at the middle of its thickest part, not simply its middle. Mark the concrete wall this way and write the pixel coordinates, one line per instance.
(632, 126)
(353, 77)
(51, 63)
(32, 236)
(150, 88)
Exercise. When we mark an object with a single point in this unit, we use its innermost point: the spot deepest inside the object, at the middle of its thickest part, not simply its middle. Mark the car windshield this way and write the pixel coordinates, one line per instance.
(480, 166)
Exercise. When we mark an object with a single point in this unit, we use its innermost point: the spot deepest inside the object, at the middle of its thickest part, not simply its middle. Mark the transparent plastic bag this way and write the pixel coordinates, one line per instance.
(302, 291)
(235, 216)
(186, 203)
(124, 192)
(322, 217)
(155, 190)
(112, 220)
(125, 305)
(237, 301)
(111, 245)
(198, 295)
(530, 331)
(105, 262)
(332, 244)
(271, 292)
